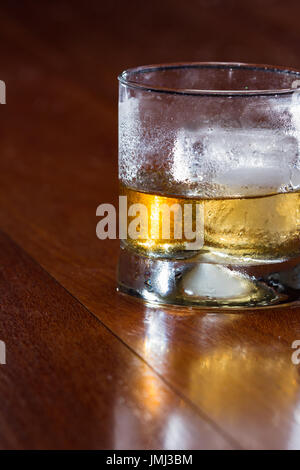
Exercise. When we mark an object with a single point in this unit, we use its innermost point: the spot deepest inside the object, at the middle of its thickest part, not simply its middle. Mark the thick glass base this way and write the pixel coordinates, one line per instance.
(208, 281)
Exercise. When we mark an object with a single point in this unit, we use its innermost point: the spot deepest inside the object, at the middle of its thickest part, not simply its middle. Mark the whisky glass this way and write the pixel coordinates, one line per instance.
(216, 144)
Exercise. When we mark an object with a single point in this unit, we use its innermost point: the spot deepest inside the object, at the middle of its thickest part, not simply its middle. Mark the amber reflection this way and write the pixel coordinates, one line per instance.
(137, 408)
(150, 389)
(149, 407)
(230, 371)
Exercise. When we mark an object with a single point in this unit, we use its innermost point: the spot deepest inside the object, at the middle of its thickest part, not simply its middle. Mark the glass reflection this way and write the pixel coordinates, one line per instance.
(240, 377)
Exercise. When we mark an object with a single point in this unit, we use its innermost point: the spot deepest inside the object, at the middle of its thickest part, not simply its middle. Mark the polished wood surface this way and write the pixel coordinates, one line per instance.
(86, 366)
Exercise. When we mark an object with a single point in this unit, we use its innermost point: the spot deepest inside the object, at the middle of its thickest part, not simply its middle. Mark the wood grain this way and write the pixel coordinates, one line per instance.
(58, 163)
(70, 383)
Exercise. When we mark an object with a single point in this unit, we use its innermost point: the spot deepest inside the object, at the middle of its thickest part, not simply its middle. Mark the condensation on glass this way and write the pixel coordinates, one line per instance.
(224, 138)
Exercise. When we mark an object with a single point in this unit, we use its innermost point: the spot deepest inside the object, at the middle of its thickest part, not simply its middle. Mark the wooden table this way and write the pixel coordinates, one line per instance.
(87, 367)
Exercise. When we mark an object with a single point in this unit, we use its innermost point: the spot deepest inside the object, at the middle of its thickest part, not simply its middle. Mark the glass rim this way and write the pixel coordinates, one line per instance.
(124, 78)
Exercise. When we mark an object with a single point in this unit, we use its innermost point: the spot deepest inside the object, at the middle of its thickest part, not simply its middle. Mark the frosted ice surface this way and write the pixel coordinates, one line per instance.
(210, 280)
(294, 110)
(129, 138)
(259, 159)
(226, 161)
(259, 180)
(144, 142)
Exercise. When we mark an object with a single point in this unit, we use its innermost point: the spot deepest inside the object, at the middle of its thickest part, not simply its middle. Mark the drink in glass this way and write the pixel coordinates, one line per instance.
(209, 161)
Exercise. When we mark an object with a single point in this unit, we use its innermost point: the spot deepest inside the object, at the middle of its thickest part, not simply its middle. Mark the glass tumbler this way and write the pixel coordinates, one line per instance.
(209, 171)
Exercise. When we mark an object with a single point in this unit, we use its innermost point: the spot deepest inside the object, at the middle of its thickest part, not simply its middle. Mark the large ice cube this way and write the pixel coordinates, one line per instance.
(259, 160)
